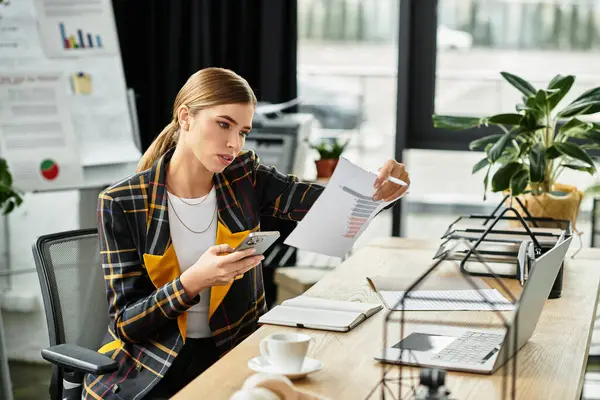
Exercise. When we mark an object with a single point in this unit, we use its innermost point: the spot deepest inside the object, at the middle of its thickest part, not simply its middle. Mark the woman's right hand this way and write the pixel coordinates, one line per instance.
(219, 265)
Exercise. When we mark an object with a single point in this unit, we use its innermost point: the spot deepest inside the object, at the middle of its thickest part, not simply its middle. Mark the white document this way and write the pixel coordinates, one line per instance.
(36, 133)
(18, 38)
(503, 238)
(490, 252)
(105, 134)
(447, 300)
(477, 226)
(77, 28)
(340, 214)
(316, 313)
(326, 304)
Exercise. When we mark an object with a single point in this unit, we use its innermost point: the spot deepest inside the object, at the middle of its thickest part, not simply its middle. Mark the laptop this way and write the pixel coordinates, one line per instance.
(482, 350)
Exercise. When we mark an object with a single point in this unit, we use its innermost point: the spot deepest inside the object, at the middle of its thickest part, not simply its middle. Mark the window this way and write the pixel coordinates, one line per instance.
(534, 39)
(347, 66)
(457, 50)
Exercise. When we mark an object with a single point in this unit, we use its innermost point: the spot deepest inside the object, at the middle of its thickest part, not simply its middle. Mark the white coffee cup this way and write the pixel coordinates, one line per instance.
(286, 351)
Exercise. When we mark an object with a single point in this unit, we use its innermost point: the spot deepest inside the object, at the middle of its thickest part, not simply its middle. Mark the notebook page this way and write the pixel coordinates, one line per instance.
(327, 304)
(285, 315)
(448, 300)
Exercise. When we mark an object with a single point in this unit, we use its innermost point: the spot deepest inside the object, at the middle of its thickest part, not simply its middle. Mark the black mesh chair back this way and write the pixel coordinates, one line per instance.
(72, 283)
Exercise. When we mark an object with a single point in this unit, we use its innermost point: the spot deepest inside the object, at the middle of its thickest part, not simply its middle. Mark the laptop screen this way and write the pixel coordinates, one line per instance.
(529, 307)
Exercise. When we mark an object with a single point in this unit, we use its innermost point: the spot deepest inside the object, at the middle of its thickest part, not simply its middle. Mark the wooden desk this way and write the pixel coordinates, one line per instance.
(550, 365)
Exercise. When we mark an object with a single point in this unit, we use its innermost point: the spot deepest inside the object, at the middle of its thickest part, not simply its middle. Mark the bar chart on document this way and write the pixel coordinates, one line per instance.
(341, 213)
(361, 211)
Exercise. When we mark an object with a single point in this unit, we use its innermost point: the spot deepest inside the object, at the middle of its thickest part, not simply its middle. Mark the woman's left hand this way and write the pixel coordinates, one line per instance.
(387, 190)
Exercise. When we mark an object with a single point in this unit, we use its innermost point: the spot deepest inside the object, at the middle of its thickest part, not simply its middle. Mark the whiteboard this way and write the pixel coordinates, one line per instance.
(77, 38)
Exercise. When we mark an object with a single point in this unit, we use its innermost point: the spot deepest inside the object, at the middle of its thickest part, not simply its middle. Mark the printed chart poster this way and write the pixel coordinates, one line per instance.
(36, 132)
(76, 28)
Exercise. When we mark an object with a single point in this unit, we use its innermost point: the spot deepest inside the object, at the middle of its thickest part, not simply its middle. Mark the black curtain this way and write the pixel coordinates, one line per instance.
(164, 42)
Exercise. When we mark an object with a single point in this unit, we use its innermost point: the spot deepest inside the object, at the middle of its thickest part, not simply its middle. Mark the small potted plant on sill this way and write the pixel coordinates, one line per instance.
(536, 144)
(9, 197)
(330, 151)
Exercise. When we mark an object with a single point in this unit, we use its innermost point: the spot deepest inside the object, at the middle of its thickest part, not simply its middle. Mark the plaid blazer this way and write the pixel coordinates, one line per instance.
(146, 301)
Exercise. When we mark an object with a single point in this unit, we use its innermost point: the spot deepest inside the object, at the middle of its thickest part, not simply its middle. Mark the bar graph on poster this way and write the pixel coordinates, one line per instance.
(80, 28)
(341, 213)
(82, 40)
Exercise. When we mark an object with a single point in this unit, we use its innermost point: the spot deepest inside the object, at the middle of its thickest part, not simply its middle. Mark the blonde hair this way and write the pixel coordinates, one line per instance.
(206, 88)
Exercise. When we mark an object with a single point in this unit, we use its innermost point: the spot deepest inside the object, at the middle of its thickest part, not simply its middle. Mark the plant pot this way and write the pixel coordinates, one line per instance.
(326, 167)
(563, 203)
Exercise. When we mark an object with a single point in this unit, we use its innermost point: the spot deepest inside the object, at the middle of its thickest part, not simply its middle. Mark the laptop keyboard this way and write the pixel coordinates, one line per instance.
(471, 348)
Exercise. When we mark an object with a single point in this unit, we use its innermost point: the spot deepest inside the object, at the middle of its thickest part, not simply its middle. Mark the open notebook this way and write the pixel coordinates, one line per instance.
(316, 313)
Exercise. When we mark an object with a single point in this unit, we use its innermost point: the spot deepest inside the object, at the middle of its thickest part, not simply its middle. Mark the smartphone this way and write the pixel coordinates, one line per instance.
(261, 241)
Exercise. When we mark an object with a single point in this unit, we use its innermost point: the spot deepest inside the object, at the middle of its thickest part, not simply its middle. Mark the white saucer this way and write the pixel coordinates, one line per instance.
(261, 364)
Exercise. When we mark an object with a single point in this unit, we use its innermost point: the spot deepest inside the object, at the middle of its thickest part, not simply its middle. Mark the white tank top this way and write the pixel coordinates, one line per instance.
(198, 215)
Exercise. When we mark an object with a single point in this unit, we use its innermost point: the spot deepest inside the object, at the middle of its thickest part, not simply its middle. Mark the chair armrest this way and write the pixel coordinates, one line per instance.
(80, 359)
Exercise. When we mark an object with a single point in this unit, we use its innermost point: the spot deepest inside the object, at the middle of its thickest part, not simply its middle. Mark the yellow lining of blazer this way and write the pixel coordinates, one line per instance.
(115, 344)
(163, 269)
(224, 236)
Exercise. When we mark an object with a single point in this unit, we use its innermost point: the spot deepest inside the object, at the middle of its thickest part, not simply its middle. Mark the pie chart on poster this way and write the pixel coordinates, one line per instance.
(49, 169)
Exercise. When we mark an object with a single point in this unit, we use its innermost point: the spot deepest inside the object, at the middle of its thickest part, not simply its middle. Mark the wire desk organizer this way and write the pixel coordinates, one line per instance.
(407, 384)
(541, 237)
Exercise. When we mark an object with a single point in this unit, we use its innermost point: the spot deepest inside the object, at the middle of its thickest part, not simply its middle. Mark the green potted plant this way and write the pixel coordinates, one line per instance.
(330, 151)
(535, 144)
(9, 197)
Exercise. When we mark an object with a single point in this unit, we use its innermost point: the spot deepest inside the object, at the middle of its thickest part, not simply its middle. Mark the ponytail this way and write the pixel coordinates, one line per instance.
(163, 142)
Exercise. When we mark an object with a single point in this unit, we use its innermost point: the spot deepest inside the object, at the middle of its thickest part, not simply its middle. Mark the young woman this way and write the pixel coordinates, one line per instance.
(179, 297)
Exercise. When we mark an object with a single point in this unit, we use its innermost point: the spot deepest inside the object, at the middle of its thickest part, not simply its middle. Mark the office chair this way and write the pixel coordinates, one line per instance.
(73, 291)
